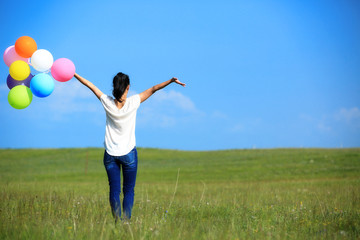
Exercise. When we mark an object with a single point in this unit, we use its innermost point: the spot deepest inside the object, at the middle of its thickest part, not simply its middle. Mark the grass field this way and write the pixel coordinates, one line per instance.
(234, 194)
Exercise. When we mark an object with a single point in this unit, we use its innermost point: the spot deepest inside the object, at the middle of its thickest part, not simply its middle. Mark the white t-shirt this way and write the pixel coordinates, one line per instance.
(120, 125)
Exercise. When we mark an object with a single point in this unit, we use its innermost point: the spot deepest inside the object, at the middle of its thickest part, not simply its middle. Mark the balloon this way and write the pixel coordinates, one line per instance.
(12, 82)
(25, 46)
(20, 97)
(19, 70)
(63, 70)
(11, 56)
(42, 85)
(42, 60)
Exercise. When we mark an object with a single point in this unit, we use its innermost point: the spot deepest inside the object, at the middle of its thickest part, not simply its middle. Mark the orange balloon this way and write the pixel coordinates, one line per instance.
(25, 46)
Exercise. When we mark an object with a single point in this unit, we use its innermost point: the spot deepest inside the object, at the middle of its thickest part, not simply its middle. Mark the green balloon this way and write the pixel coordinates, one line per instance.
(20, 97)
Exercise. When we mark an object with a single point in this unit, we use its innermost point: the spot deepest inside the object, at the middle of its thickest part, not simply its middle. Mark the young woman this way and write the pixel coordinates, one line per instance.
(120, 146)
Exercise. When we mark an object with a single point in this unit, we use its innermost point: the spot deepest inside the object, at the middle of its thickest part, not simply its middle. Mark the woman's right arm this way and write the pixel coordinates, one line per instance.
(90, 85)
(147, 93)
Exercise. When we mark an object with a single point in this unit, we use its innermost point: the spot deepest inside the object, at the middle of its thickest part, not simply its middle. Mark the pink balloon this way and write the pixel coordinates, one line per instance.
(11, 56)
(63, 70)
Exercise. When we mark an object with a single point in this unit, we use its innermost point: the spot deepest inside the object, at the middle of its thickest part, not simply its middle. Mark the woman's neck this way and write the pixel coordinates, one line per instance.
(122, 99)
(118, 104)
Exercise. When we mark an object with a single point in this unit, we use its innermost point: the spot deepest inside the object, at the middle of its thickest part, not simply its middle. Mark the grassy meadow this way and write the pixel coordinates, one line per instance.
(232, 194)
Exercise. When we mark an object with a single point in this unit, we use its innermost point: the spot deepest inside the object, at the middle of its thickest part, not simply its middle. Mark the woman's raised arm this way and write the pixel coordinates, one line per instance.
(90, 85)
(147, 93)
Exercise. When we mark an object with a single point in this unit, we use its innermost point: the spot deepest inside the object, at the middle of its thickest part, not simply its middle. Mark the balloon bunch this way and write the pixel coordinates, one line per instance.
(22, 83)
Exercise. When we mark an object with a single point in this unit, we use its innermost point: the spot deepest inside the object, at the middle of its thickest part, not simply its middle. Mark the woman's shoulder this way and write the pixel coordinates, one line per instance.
(106, 99)
(134, 100)
(134, 97)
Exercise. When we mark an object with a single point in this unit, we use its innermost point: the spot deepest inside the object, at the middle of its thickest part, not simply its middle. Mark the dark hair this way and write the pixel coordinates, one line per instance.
(120, 83)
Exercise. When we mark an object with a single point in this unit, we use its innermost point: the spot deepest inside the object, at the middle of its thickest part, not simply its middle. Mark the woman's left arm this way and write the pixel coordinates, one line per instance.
(90, 85)
(147, 93)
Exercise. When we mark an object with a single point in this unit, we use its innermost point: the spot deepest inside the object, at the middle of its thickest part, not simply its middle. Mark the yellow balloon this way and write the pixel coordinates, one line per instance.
(19, 70)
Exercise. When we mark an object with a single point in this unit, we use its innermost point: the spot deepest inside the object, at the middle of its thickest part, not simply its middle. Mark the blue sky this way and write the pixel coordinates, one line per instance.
(259, 74)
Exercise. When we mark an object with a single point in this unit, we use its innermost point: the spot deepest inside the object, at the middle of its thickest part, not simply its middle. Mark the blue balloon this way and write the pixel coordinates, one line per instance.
(42, 85)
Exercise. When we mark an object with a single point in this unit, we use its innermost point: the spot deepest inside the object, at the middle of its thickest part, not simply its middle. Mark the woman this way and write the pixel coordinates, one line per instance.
(120, 146)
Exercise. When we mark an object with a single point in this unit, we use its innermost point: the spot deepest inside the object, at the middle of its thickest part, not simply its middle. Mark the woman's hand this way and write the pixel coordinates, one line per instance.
(175, 80)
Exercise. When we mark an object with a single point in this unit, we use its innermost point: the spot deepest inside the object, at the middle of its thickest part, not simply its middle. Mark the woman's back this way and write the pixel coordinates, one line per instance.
(120, 124)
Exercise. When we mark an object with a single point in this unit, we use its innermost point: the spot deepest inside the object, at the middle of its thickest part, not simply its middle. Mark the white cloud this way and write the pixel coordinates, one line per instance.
(306, 117)
(72, 97)
(237, 128)
(66, 99)
(340, 118)
(323, 127)
(320, 124)
(176, 99)
(4, 87)
(348, 115)
(249, 124)
(131, 92)
(166, 109)
(219, 115)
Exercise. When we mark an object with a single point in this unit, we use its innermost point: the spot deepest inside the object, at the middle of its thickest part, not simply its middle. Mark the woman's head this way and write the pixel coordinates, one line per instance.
(120, 83)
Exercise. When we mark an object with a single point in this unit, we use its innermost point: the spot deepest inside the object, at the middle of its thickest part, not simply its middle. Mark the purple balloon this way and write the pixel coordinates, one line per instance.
(12, 82)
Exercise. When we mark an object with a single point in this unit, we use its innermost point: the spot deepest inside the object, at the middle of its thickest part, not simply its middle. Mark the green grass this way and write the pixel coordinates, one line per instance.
(234, 194)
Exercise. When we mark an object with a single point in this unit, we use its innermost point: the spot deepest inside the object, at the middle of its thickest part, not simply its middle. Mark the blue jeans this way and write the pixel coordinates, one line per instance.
(113, 166)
